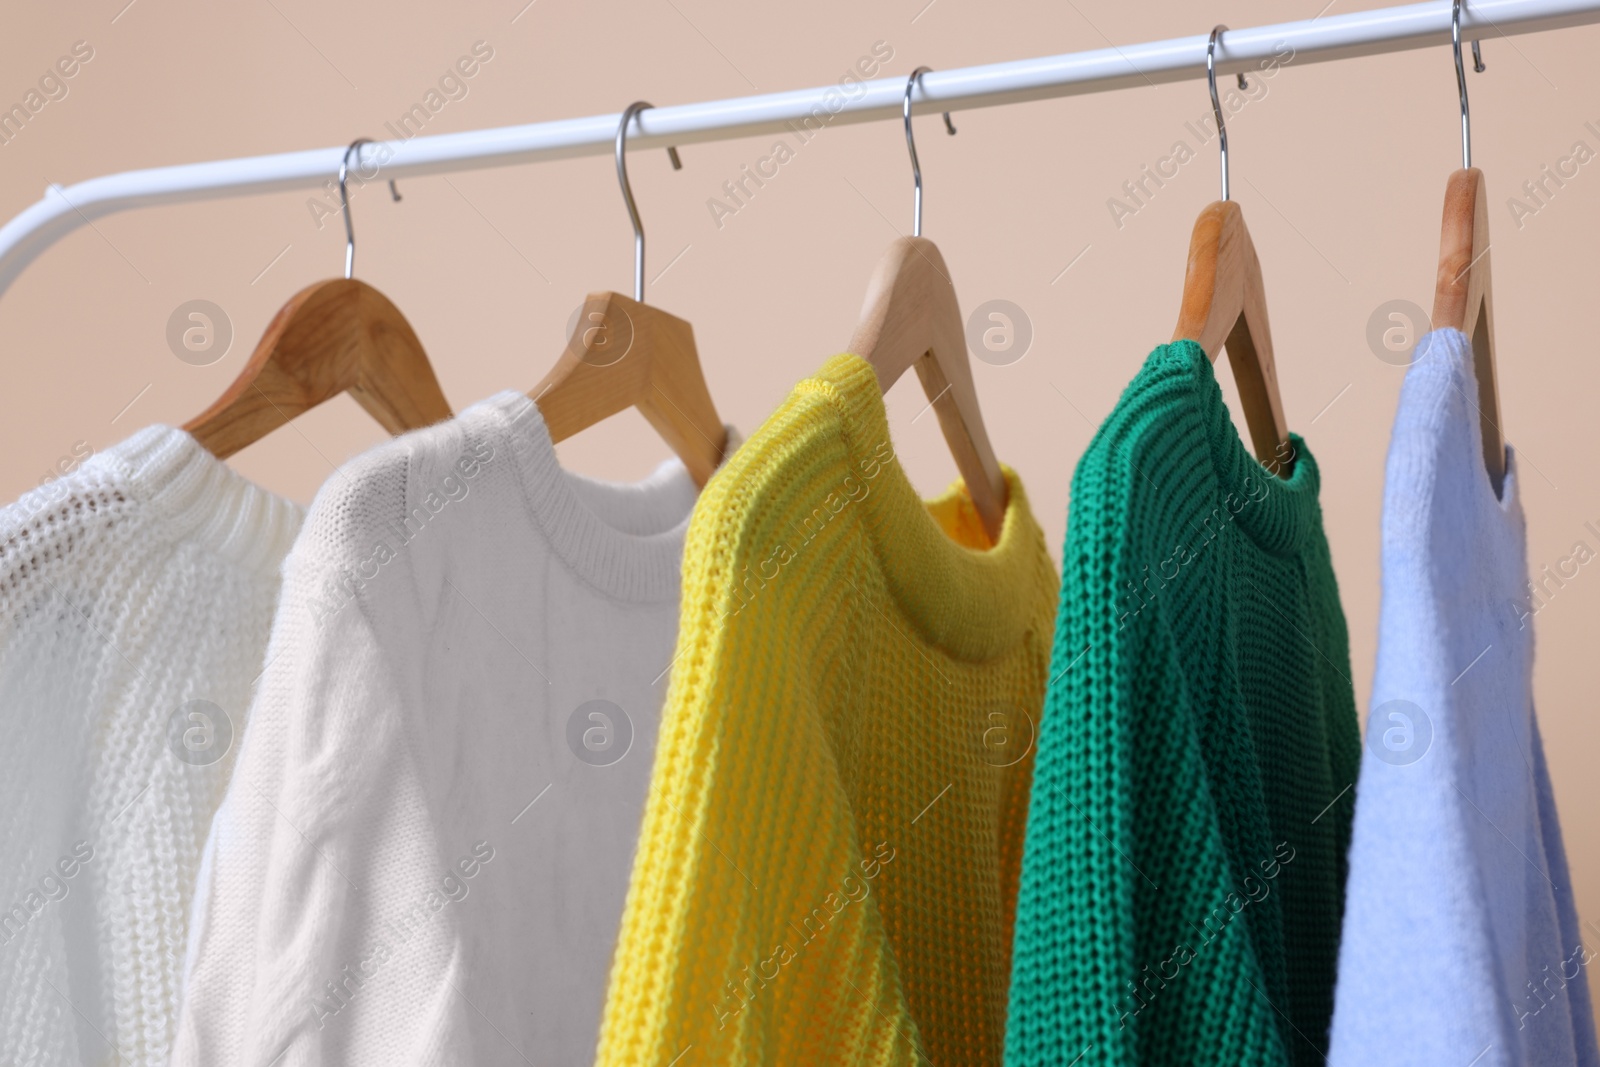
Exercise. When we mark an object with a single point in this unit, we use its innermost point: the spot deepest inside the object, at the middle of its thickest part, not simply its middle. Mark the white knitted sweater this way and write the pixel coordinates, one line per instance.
(143, 581)
(424, 851)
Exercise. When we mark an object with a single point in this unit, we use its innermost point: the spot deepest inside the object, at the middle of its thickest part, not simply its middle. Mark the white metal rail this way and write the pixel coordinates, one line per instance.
(1392, 29)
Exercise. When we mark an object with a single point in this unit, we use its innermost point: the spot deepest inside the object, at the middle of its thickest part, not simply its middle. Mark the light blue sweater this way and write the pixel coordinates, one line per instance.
(1461, 944)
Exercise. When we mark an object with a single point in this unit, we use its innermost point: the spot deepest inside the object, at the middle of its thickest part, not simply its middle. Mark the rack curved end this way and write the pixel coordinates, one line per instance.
(40, 225)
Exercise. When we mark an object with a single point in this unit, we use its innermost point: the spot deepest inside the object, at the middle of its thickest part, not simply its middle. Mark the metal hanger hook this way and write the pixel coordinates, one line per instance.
(344, 201)
(1461, 81)
(911, 146)
(1216, 107)
(632, 110)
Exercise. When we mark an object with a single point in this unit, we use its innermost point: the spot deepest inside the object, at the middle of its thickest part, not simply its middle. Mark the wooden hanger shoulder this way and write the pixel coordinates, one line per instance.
(628, 354)
(1225, 307)
(911, 319)
(331, 337)
(1463, 300)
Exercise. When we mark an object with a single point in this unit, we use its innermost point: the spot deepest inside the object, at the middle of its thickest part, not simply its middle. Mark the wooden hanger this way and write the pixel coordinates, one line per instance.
(1461, 300)
(1225, 305)
(1462, 295)
(626, 353)
(332, 337)
(911, 319)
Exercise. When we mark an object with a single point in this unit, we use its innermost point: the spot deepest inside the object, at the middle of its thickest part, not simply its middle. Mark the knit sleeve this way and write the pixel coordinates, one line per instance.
(311, 912)
(1075, 936)
(1127, 929)
(1343, 743)
(1129, 945)
(752, 932)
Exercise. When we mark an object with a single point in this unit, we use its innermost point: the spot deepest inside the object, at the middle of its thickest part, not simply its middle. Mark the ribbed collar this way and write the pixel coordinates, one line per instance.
(199, 498)
(975, 603)
(625, 539)
(1281, 512)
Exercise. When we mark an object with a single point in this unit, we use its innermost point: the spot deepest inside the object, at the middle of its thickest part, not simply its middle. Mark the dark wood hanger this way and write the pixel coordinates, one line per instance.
(626, 353)
(332, 337)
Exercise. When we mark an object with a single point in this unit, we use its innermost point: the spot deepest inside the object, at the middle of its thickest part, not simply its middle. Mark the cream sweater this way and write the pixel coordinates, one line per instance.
(136, 598)
(424, 852)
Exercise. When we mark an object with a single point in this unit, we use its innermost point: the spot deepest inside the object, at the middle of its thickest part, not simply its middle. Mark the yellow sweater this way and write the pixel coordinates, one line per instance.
(828, 866)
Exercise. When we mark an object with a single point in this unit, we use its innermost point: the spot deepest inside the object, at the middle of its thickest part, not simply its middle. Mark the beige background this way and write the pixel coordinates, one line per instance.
(1340, 168)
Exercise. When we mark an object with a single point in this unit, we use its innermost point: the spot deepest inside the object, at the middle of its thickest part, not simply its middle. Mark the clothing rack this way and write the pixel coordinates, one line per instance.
(1326, 37)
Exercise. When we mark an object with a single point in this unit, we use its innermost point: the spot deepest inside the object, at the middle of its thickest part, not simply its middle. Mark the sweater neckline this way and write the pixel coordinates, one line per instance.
(200, 499)
(974, 602)
(1277, 513)
(624, 538)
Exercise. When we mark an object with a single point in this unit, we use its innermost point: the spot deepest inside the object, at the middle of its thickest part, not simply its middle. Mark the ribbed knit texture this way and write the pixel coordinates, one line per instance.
(827, 869)
(424, 851)
(1183, 879)
(143, 580)
(1461, 942)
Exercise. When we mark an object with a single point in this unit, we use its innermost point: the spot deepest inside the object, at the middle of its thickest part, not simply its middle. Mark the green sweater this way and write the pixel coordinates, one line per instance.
(1185, 860)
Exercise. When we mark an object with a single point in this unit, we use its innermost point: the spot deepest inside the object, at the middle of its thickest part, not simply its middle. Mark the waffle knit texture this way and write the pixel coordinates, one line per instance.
(1461, 942)
(1184, 872)
(828, 863)
(424, 852)
(143, 581)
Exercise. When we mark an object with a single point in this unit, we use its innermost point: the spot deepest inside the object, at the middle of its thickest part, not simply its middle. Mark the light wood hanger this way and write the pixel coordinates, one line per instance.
(1225, 305)
(626, 353)
(332, 337)
(1463, 295)
(911, 319)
